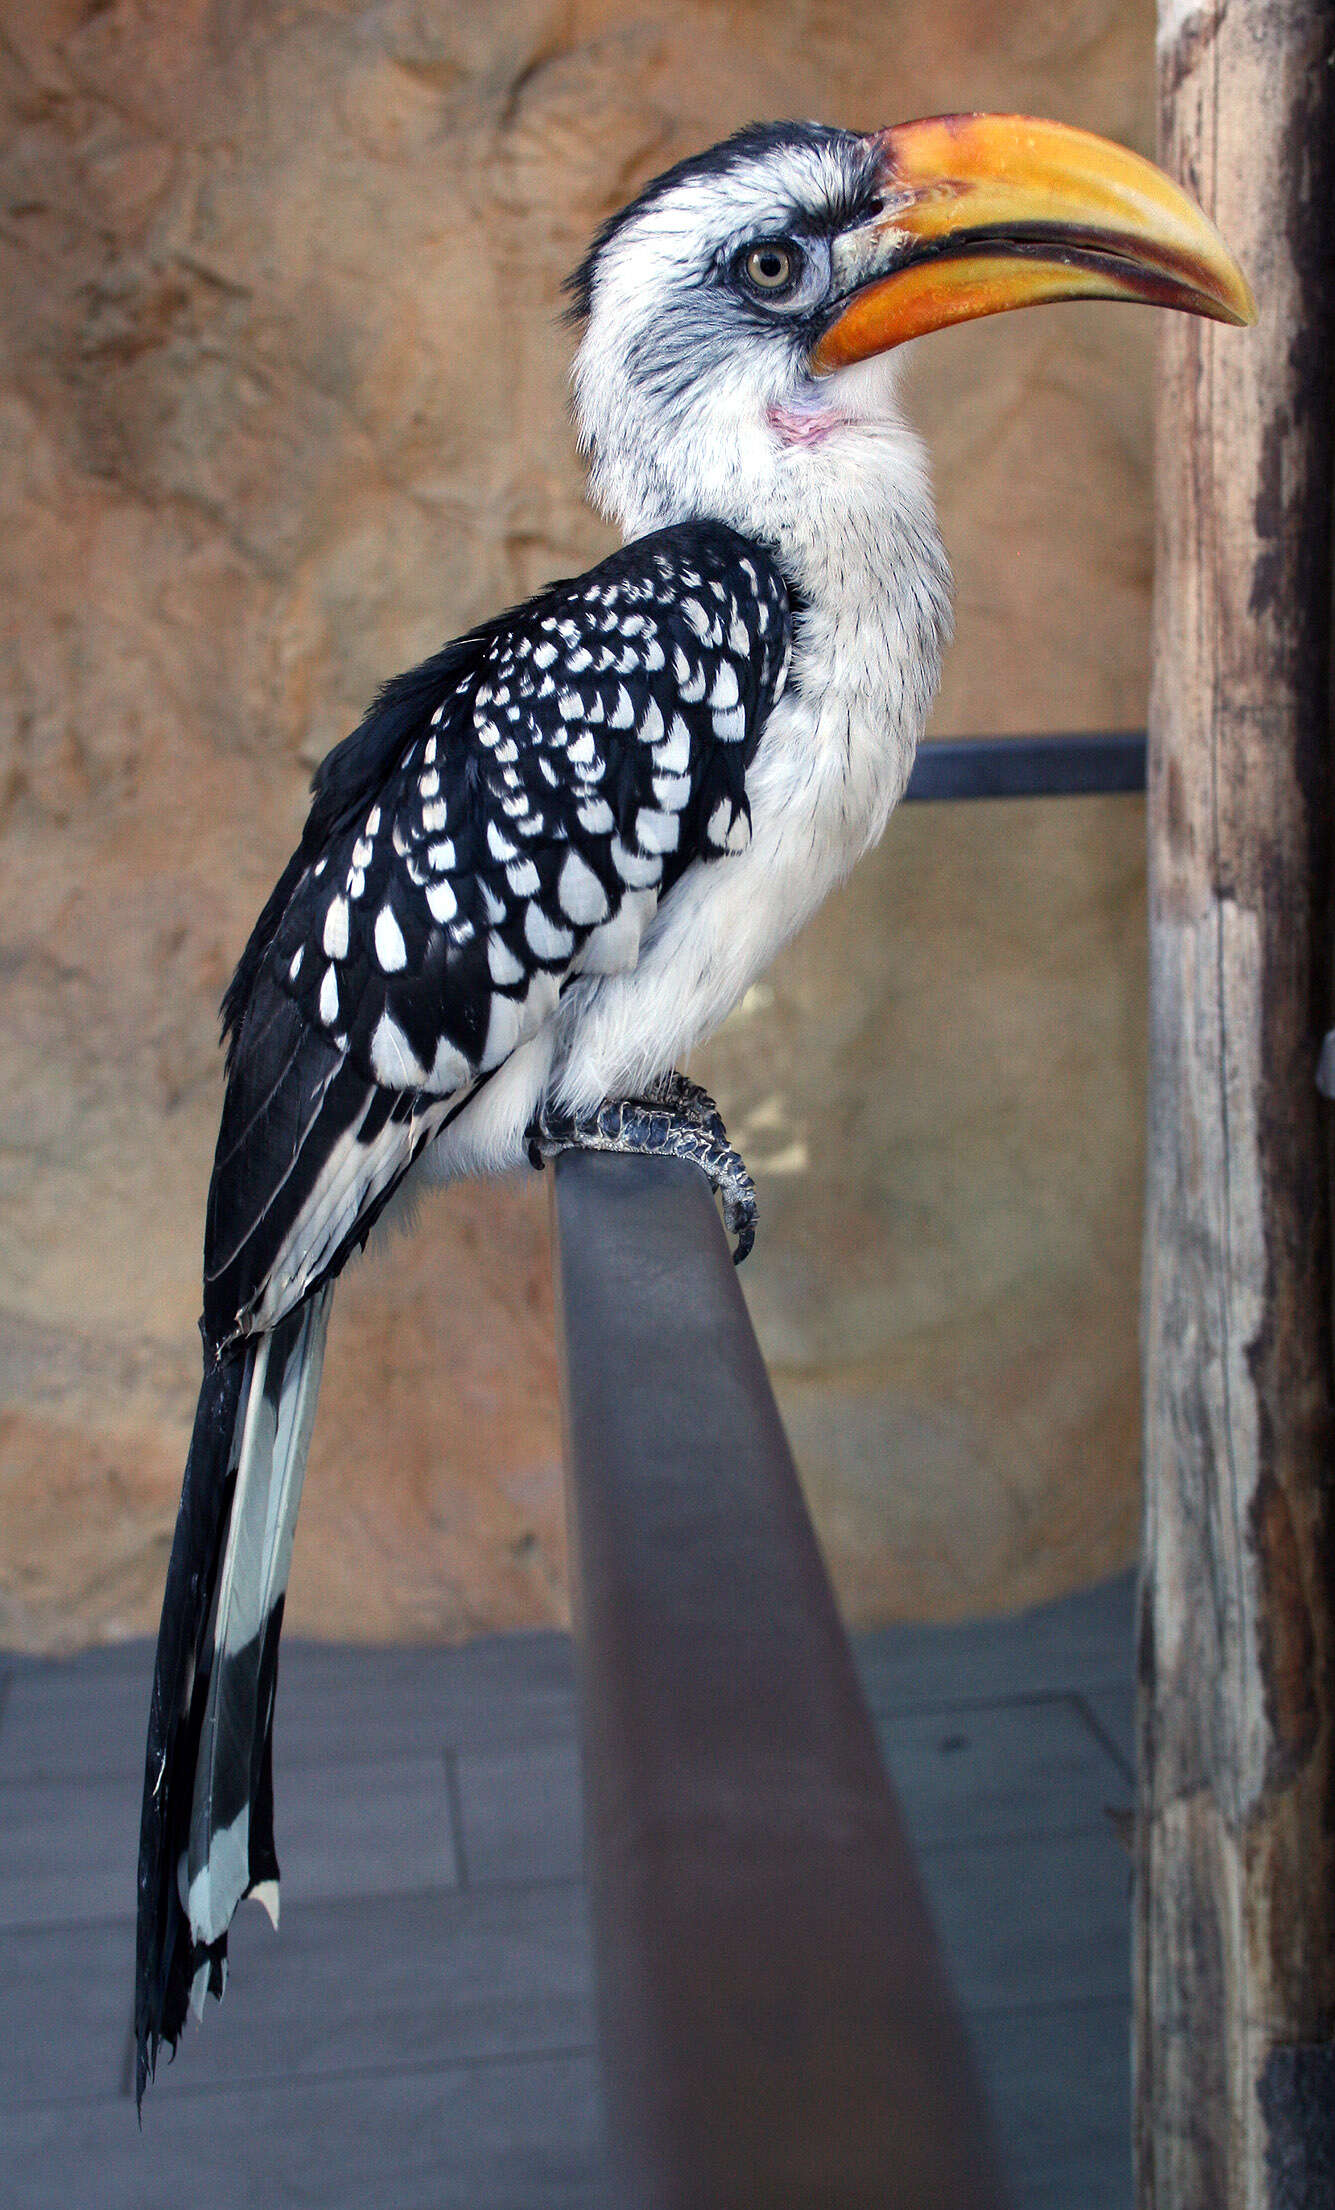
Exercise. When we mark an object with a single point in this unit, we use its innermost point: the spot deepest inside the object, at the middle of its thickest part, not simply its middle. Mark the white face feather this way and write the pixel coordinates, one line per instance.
(680, 374)
(690, 401)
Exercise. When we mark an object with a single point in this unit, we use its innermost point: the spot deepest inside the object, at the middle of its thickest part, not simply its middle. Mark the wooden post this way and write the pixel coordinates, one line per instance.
(1235, 1917)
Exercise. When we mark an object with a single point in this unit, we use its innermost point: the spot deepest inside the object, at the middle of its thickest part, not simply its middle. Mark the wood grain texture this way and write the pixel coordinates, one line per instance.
(1235, 1920)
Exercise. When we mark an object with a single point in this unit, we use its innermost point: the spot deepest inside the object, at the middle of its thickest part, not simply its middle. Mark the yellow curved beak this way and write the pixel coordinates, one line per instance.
(981, 213)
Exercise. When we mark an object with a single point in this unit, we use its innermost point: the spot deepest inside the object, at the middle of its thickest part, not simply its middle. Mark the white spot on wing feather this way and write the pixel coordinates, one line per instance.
(449, 1070)
(636, 868)
(544, 938)
(523, 878)
(505, 969)
(657, 832)
(393, 1060)
(336, 929)
(390, 949)
(582, 897)
(673, 756)
(725, 691)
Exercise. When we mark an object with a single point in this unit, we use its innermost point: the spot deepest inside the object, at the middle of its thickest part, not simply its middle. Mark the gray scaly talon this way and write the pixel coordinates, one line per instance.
(678, 1121)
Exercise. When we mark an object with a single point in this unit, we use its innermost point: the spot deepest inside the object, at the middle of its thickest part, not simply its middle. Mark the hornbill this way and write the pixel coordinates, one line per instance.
(558, 852)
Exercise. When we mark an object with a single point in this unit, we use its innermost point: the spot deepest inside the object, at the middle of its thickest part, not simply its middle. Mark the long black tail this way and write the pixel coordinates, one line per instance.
(206, 1837)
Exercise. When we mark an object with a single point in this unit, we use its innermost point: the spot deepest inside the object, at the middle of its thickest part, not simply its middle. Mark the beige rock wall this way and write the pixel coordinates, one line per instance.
(283, 403)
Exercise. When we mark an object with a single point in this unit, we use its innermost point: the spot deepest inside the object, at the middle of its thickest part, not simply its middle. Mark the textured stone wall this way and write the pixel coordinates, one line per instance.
(282, 404)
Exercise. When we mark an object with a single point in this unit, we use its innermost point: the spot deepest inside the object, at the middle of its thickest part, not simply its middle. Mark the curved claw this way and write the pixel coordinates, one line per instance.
(739, 1218)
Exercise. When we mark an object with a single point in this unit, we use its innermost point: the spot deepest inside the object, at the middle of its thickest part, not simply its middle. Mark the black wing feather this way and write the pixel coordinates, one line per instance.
(492, 811)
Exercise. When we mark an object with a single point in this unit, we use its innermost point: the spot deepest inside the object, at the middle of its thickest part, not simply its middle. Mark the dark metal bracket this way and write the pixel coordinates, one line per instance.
(1102, 762)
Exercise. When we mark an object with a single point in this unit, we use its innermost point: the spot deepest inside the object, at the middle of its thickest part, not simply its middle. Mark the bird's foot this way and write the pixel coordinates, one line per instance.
(676, 1120)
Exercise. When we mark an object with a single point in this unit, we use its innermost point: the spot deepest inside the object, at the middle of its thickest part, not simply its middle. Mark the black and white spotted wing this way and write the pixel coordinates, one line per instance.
(507, 816)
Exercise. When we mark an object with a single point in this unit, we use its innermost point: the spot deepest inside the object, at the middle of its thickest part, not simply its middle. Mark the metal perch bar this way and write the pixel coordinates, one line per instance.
(775, 2021)
(1071, 766)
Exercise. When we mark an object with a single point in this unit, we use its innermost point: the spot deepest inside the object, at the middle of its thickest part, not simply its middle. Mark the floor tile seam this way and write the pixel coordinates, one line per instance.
(942, 1707)
(121, 1661)
(277, 2082)
(1049, 2006)
(476, 1741)
(1102, 1735)
(943, 1846)
(116, 1776)
(472, 1742)
(1078, 1830)
(470, 1653)
(454, 1811)
(972, 2013)
(269, 2082)
(529, 1883)
(893, 1705)
(105, 1776)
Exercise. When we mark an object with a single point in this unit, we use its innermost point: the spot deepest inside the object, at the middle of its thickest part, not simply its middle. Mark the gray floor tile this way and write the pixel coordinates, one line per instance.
(993, 1770)
(65, 1994)
(1041, 1921)
(67, 1850)
(76, 1718)
(521, 1813)
(1059, 2085)
(1084, 1641)
(87, 1715)
(373, 1828)
(402, 2043)
(394, 1984)
(522, 2135)
(342, 1700)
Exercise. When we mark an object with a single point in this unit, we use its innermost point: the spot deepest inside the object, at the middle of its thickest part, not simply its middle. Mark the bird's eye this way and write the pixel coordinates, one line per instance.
(773, 268)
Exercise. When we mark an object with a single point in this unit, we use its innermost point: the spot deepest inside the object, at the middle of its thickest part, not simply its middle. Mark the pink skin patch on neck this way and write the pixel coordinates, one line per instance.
(802, 425)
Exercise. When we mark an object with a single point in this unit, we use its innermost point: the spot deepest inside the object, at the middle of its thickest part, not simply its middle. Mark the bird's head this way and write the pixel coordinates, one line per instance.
(744, 310)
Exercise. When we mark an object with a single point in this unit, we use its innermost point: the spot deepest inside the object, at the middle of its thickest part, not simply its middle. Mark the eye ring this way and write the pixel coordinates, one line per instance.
(771, 268)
